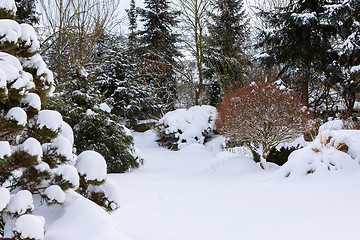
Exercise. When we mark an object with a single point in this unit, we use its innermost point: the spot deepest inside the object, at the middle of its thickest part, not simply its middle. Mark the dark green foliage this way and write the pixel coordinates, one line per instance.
(95, 129)
(158, 50)
(299, 40)
(26, 11)
(225, 58)
(280, 156)
(99, 133)
(345, 18)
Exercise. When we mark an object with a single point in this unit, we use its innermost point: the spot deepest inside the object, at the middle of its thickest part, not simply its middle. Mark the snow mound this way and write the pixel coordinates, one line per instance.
(30, 227)
(92, 165)
(238, 165)
(194, 147)
(91, 225)
(332, 125)
(331, 152)
(188, 126)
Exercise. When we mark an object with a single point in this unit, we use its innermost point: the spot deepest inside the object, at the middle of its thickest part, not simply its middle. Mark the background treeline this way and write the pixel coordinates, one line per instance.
(183, 53)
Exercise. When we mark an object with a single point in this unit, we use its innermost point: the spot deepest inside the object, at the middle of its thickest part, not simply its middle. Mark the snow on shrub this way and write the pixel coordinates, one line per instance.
(262, 116)
(331, 151)
(92, 166)
(93, 184)
(29, 227)
(18, 115)
(54, 194)
(21, 202)
(182, 127)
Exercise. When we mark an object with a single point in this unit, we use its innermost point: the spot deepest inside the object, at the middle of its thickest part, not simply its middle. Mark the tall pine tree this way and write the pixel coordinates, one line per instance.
(158, 50)
(226, 56)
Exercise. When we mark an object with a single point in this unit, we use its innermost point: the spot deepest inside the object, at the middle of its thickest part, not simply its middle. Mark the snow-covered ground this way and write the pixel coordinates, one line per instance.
(196, 194)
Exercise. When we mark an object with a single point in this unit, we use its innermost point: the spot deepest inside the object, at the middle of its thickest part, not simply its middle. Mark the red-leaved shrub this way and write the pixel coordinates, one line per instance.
(262, 116)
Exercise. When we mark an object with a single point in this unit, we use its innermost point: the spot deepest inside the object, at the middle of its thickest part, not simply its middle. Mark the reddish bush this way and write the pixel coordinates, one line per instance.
(262, 116)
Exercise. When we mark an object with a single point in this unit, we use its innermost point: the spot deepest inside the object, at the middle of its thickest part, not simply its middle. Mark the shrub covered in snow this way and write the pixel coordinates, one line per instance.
(36, 146)
(182, 127)
(262, 116)
(331, 151)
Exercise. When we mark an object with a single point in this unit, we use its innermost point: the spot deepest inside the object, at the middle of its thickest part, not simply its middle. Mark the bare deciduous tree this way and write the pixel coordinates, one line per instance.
(73, 28)
(194, 19)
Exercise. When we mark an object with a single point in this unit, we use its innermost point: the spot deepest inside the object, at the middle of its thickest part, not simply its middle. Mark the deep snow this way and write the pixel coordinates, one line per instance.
(196, 194)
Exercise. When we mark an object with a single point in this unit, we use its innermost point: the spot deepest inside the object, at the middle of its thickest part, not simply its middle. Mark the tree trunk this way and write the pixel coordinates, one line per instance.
(305, 89)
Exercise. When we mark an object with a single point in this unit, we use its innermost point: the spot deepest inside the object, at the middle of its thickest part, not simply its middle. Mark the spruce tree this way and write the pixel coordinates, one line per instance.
(158, 50)
(132, 15)
(26, 11)
(119, 81)
(226, 56)
(300, 41)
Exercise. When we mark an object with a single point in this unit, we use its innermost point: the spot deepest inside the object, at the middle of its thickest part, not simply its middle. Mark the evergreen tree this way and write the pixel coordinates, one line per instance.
(26, 11)
(119, 80)
(158, 50)
(132, 15)
(226, 57)
(346, 18)
(300, 41)
(36, 145)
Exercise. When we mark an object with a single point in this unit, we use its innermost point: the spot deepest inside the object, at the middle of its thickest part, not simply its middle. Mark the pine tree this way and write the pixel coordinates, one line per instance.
(36, 145)
(158, 50)
(299, 40)
(26, 11)
(226, 57)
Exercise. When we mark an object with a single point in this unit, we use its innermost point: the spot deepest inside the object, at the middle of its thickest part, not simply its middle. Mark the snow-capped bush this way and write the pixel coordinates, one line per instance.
(331, 151)
(262, 116)
(92, 166)
(29, 227)
(182, 127)
(54, 194)
(92, 169)
(21, 202)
